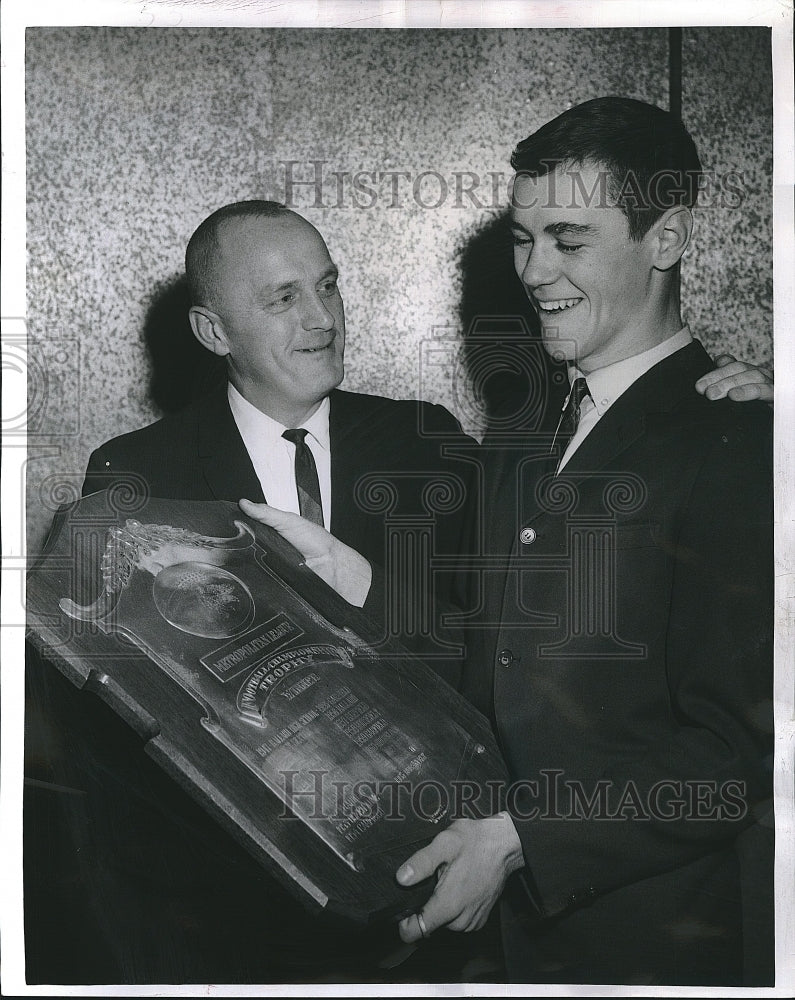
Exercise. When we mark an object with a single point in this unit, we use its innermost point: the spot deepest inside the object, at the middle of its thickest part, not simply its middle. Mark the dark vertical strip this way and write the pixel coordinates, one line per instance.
(675, 71)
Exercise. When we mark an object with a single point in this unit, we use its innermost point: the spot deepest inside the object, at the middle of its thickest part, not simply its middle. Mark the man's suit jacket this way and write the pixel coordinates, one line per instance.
(628, 654)
(384, 453)
(144, 887)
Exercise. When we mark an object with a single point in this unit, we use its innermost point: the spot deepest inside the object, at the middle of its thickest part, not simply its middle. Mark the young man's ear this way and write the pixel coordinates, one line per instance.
(208, 330)
(671, 234)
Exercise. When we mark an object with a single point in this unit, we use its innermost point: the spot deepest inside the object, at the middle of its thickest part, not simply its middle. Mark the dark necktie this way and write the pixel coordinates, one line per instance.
(570, 417)
(309, 501)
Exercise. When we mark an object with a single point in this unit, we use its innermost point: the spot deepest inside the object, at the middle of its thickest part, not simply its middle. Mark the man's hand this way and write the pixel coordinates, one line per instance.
(473, 858)
(738, 380)
(340, 566)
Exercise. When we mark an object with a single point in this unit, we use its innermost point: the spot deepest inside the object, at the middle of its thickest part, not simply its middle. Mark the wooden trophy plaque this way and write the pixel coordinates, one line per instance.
(331, 754)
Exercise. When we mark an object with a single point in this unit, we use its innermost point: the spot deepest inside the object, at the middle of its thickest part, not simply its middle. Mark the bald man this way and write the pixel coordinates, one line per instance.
(266, 298)
(165, 894)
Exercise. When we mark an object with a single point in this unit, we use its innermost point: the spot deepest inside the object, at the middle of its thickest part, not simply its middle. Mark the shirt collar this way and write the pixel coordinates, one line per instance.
(252, 421)
(605, 385)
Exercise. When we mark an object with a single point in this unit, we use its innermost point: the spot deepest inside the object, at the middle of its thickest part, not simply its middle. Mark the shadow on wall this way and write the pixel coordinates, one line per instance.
(516, 383)
(182, 370)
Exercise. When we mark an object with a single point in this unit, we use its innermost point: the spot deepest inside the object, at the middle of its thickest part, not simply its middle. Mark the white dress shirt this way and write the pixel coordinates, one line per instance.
(607, 384)
(273, 458)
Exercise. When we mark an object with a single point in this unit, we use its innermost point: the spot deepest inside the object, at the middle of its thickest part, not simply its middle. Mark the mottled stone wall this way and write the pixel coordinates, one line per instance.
(134, 135)
(727, 102)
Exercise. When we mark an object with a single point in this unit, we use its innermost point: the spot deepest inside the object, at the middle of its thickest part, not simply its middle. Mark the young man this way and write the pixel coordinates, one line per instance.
(624, 650)
(626, 654)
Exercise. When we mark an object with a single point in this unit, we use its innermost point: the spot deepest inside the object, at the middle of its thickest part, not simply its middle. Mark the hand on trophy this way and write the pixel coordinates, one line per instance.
(473, 859)
(338, 565)
(738, 380)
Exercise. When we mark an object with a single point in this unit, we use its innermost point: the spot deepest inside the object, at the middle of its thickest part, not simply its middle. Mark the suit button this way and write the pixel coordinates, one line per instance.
(527, 536)
(505, 657)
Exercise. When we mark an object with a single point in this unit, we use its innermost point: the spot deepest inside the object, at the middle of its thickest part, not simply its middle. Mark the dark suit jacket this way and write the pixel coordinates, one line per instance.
(628, 656)
(127, 880)
(384, 452)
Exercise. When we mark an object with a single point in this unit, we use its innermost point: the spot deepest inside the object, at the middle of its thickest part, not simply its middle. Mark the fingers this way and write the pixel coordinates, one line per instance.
(424, 863)
(743, 393)
(737, 380)
(746, 384)
(266, 514)
(414, 928)
(472, 860)
(310, 539)
(418, 867)
(437, 912)
(726, 367)
(448, 907)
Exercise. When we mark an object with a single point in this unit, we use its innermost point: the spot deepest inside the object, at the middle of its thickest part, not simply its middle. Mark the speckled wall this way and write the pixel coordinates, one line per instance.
(134, 135)
(727, 102)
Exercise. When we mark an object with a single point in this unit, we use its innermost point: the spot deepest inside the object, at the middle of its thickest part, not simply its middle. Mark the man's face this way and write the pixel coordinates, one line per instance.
(281, 313)
(590, 284)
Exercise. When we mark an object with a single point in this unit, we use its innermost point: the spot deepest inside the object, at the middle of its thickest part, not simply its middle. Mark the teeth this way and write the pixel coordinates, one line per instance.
(555, 305)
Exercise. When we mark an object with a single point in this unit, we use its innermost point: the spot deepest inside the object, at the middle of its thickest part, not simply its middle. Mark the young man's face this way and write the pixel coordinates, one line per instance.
(588, 281)
(282, 314)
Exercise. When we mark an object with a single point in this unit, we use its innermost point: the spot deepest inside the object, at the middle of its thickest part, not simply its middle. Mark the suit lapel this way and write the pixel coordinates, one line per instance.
(661, 390)
(619, 428)
(222, 456)
(349, 446)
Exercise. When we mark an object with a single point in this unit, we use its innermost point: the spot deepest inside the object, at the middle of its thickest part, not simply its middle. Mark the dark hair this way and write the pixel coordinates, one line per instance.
(652, 163)
(200, 256)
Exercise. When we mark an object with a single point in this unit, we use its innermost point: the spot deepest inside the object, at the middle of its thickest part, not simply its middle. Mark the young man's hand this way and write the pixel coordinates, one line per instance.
(473, 858)
(738, 380)
(340, 566)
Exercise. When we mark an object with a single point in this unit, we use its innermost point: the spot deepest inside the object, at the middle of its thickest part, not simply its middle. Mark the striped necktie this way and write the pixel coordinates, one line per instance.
(306, 481)
(570, 417)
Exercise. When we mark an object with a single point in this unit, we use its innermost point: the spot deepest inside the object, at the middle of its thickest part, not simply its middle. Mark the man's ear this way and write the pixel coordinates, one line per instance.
(208, 330)
(671, 234)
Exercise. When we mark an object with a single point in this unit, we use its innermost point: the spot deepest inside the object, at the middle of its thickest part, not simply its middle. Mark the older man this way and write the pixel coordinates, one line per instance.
(266, 298)
(624, 651)
(170, 897)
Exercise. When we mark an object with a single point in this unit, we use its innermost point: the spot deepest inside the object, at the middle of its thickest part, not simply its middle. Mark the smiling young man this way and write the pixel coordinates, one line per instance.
(624, 650)
(625, 653)
(601, 294)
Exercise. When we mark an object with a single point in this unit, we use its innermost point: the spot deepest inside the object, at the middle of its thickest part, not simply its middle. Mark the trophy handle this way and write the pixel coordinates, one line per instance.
(101, 608)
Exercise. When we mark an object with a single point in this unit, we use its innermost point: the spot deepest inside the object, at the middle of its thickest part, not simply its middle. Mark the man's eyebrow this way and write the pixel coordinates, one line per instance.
(287, 286)
(560, 228)
(564, 228)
